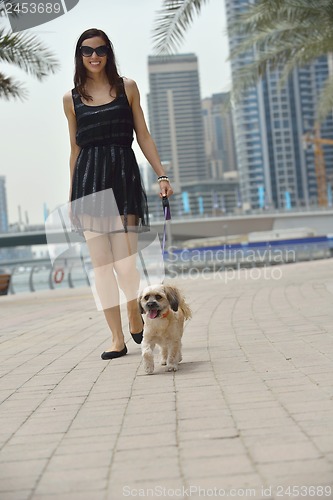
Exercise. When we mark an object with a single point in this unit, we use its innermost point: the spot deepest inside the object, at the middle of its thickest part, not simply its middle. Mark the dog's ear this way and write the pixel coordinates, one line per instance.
(172, 296)
(139, 304)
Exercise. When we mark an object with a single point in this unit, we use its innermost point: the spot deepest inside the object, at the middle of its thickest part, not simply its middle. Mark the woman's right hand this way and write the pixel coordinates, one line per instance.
(165, 189)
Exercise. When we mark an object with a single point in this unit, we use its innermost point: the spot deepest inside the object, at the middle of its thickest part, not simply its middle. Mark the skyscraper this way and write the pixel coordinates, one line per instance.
(219, 136)
(175, 117)
(274, 168)
(3, 206)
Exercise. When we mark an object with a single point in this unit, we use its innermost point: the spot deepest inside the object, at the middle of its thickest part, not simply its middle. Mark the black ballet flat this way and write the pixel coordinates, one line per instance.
(114, 354)
(137, 337)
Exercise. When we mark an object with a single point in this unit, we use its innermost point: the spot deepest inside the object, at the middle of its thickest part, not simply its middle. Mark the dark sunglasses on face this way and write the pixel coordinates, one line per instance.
(87, 51)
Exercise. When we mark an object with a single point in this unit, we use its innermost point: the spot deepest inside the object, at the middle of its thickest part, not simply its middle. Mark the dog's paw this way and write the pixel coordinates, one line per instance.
(148, 363)
(149, 368)
(172, 368)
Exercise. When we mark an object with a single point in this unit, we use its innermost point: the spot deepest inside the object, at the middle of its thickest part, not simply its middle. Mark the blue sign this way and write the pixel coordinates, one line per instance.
(46, 211)
(186, 202)
(261, 196)
(287, 200)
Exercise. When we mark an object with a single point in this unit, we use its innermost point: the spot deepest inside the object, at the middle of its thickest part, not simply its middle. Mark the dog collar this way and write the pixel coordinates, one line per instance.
(165, 314)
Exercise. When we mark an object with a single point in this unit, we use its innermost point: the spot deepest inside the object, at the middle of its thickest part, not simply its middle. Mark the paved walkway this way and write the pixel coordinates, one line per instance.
(249, 413)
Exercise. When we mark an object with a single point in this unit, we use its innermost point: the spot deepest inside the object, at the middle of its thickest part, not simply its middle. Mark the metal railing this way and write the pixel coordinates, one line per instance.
(72, 271)
(156, 213)
(40, 274)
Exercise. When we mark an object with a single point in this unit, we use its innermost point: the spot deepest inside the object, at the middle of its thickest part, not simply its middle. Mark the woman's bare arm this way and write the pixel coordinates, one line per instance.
(72, 126)
(143, 136)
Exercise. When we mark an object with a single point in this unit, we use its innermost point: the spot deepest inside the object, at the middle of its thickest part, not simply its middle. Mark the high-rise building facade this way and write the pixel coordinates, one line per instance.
(219, 136)
(3, 206)
(274, 167)
(175, 116)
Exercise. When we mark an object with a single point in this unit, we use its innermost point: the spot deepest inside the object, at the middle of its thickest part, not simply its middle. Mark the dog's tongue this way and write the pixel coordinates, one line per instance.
(152, 314)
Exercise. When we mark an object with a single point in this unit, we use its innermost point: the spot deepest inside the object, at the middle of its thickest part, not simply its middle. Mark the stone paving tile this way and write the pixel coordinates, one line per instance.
(72, 480)
(142, 455)
(223, 466)
(81, 495)
(17, 494)
(72, 461)
(250, 407)
(31, 468)
(22, 452)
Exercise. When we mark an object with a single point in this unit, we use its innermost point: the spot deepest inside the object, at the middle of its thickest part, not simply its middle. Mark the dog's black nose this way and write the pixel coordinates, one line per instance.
(152, 304)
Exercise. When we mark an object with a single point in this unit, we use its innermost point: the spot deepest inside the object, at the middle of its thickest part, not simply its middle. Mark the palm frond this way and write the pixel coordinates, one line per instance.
(11, 89)
(279, 35)
(266, 13)
(246, 78)
(302, 58)
(172, 22)
(296, 36)
(27, 53)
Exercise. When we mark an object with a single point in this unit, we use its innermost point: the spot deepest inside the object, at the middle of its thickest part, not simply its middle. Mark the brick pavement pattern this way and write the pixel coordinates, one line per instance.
(248, 414)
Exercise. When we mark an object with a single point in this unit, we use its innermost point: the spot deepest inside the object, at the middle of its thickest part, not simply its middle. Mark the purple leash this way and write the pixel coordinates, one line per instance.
(167, 216)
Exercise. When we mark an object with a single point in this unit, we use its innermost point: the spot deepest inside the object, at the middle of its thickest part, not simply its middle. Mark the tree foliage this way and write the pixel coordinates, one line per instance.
(26, 52)
(282, 34)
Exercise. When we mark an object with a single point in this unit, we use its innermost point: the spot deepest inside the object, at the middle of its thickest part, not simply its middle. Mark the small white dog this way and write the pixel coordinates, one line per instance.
(165, 311)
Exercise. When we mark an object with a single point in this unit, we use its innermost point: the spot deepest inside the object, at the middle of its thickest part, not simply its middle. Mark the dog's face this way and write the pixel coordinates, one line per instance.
(156, 300)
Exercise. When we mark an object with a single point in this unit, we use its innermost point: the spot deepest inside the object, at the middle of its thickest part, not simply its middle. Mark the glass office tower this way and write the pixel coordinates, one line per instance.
(274, 167)
(175, 116)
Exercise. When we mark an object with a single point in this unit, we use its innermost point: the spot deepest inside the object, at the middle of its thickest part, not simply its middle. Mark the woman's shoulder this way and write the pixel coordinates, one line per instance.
(68, 101)
(67, 97)
(131, 89)
(129, 83)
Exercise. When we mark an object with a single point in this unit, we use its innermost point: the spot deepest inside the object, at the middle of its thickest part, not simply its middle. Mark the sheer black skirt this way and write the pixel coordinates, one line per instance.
(107, 191)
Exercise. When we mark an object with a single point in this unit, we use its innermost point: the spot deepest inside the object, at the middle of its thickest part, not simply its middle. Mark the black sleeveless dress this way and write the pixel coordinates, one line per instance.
(107, 191)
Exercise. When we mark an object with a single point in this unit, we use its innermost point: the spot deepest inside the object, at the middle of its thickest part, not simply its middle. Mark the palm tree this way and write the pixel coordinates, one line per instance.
(172, 22)
(284, 34)
(27, 53)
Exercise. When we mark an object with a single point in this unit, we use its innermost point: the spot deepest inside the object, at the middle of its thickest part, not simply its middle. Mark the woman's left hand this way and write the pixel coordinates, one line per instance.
(165, 189)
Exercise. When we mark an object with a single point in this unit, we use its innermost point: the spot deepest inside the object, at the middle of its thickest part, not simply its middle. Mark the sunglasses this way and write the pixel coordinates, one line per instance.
(87, 51)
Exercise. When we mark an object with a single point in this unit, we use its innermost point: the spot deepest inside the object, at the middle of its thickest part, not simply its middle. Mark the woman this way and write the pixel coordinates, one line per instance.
(102, 111)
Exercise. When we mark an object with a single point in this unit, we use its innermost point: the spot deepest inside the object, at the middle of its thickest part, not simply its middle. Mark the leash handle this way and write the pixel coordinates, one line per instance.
(166, 208)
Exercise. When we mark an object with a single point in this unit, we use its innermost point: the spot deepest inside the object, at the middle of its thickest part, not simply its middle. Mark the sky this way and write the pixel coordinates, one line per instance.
(34, 141)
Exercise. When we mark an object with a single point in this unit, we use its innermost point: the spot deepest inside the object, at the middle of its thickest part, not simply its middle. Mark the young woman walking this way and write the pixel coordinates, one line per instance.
(108, 202)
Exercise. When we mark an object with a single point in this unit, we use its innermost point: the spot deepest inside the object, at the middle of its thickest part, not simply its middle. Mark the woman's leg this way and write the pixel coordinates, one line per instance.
(124, 249)
(106, 284)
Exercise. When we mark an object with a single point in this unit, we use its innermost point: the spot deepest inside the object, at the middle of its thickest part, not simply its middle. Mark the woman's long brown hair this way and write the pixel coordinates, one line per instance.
(80, 75)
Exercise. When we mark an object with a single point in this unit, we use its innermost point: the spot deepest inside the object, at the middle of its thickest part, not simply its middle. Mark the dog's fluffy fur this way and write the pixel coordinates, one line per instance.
(165, 310)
